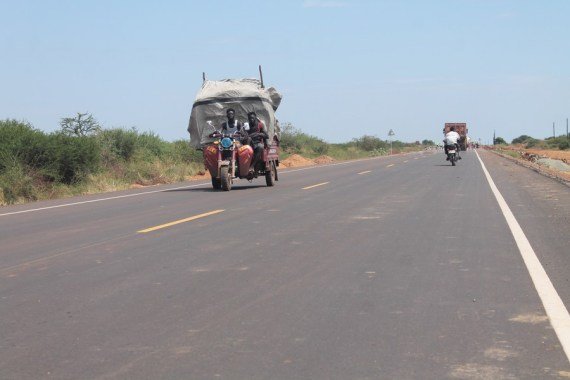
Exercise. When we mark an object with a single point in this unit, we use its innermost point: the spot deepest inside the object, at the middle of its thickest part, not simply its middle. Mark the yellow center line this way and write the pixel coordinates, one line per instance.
(318, 184)
(364, 172)
(390, 165)
(150, 229)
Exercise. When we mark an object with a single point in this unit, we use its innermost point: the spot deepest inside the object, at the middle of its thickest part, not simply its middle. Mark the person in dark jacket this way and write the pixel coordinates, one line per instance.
(257, 138)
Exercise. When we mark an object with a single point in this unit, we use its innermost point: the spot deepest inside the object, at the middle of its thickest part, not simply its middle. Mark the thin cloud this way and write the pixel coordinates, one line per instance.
(323, 4)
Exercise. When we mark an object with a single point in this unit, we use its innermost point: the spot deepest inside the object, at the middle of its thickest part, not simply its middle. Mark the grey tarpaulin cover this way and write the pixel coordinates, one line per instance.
(243, 95)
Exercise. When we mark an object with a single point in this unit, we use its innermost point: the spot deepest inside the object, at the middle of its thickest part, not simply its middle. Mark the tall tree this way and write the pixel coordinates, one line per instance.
(82, 125)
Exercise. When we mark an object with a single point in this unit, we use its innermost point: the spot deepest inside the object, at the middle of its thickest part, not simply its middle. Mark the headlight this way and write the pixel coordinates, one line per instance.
(226, 142)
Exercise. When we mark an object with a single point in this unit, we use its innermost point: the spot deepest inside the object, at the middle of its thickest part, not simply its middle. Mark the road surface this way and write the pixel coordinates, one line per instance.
(398, 267)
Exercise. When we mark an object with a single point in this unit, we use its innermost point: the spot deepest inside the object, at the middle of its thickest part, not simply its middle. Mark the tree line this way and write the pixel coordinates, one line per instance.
(83, 157)
(559, 143)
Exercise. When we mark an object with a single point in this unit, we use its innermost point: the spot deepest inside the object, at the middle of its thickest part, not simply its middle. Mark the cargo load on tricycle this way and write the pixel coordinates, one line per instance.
(233, 123)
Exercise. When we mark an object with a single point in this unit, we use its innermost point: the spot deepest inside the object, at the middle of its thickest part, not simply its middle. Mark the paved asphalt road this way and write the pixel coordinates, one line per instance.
(399, 267)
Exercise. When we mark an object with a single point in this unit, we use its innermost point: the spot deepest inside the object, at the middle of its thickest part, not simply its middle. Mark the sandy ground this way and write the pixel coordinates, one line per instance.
(562, 155)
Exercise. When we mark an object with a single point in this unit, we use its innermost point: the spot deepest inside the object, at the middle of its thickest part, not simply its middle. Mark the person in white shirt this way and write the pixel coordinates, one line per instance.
(232, 125)
(451, 139)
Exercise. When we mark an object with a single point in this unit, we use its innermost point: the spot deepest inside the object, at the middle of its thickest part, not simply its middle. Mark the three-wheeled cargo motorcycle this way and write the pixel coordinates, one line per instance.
(227, 158)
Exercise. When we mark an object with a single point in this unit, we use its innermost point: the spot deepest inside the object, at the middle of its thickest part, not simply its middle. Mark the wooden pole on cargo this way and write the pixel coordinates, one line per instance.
(203, 77)
(261, 77)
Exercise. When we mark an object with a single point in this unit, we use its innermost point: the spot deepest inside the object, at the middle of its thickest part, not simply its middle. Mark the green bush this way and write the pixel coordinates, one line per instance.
(183, 152)
(560, 142)
(500, 141)
(118, 143)
(20, 142)
(534, 143)
(150, 145)
(370, 143)
(522, 139)
(16, 184)
(74, 158)
(53, 157)
(294, 141)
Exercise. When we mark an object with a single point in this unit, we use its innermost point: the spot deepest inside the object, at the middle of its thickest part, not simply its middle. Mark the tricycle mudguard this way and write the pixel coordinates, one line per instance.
(245, 155)
(211, 159)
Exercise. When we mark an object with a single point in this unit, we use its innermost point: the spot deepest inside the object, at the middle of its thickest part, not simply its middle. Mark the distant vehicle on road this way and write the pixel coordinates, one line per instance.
(452, 155)
(460, 128)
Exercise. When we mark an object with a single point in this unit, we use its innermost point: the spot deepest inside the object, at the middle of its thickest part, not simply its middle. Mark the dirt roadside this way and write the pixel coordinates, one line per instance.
(293, 161)
(530, 158)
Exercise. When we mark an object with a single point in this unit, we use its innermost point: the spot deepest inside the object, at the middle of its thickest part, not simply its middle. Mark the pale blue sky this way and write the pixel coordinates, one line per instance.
(345, 68)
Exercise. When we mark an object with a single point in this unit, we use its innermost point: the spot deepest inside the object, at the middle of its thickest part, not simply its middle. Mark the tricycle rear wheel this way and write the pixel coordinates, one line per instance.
(270, 175)
(225, 178)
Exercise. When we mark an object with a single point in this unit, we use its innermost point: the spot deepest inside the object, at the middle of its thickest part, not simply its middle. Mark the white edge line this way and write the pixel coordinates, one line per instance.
(312, 186)
(555, 309)
(102, 199)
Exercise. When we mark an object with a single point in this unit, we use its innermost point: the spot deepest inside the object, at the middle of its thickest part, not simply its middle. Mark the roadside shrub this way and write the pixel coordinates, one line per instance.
(537, 144)
(151, 145)
(563, 145)
(521, 139)
(53, 157)
(183, 152)
(294, 141)
(118, 143)
(74, 158)
(560, 142)
(20, 142)
(500, 141)
(370, 143)
(16, 184)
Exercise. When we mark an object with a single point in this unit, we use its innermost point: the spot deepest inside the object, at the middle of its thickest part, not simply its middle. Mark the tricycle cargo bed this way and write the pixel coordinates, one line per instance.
(242, 95)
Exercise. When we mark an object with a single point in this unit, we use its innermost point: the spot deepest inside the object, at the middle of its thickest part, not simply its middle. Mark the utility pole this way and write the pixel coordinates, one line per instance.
(567, 137)
(493, 137)
(553, 130)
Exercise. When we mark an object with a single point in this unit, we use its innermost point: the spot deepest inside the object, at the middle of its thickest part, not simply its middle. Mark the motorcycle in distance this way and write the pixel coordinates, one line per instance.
(452, 154)
(227, 159)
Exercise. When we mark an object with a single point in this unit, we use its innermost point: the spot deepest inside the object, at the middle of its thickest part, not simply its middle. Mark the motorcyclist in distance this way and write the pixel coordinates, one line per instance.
(258, 137)
(451, 139)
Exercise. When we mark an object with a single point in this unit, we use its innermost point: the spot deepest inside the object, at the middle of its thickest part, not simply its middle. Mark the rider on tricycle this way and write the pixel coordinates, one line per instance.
(235, 150)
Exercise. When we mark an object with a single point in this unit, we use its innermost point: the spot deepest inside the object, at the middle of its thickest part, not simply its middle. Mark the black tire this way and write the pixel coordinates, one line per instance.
(225, 178)
(452, 160)
(270, 175)
(216, 183)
